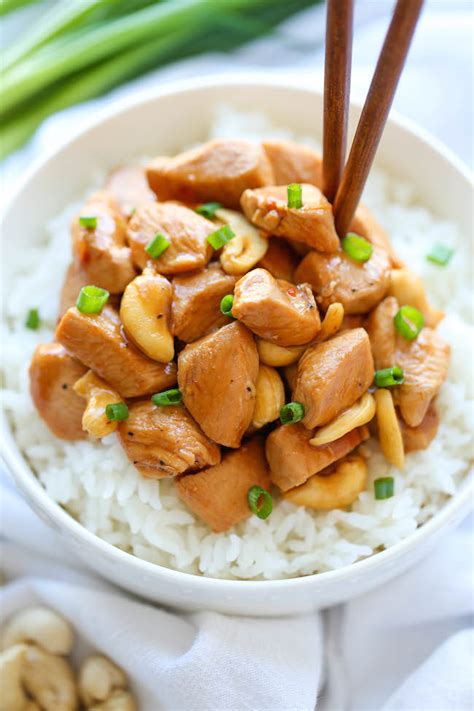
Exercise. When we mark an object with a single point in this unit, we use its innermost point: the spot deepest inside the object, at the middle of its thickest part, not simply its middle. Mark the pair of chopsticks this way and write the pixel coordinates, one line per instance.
(343, 185)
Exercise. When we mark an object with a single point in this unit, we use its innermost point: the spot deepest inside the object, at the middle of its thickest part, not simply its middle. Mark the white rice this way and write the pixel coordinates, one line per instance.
(96, 483)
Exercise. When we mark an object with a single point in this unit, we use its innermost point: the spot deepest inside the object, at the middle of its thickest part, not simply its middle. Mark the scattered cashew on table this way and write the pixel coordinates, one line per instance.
(36, 674)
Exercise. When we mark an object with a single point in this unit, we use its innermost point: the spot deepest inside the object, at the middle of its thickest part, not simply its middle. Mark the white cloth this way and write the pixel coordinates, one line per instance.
(404, 647)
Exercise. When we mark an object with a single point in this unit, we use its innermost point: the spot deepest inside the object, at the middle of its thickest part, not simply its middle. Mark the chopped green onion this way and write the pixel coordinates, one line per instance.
(91, 299)
(384, 488)
(409, 322)
(157, 246)
(220, 237)
(116, 412)
(208, 209)
(226, 305)
(387, 377)
(260, 501)
(357, 247)
(167, 397)
(291, 412)
(32, 319)
(440, 254)
(88, 221)
(295, 196)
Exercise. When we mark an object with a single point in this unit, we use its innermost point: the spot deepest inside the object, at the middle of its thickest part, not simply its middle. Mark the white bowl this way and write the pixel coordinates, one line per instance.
(164, 121)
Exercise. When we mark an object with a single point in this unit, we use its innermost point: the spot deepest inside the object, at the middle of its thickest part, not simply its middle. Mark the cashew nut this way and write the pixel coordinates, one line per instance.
(408, 289)
(98, 394)
(290, 373)
(359, 414)
(278, 356)
(336, 490)
(390, 435)
(269, 396)
(49, 680)
(244, 250)
(332, 322)
(145, 312)
(119, 701)
(43, 627)
(99, 677)
(12, 695)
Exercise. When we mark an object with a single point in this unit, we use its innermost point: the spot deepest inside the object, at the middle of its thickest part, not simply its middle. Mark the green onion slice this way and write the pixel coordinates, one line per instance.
(88, 221)
(157, 246)
(260, 501)
(32, 319)
(208, 209)
(387, 377)
(226, 305)
(91, 299)
(220, 237)
(167, 397)
(384, 488)
(291, 412)
(440, 254)
(409, 322)
(357, 247)
(295, 196)
(116, 412)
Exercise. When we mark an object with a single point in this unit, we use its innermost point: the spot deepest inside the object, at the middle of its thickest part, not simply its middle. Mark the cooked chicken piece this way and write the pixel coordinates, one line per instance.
(293, 459)
(365, 224)
(217, 376)
(129, 187)
(98, 341)
(218, 495)
(165, 441)
(219, 170)
(415, 438)
(358, 286)
(280, 260)
(195, 309)
(352, 321)
(276, 310)
(333, 375)
(52, 375)
(424, 361)
(294, 163)
(74, 280)
(101, 251)
(312, 224)
(184, 229)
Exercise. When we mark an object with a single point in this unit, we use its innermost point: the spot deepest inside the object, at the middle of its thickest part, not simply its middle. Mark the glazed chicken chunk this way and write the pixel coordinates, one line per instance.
(219, 170)
(129, 187)
(276, 310)
(280, 260)
(312, 224)
(165, 441)
(98, 341)
(217, 376)
(52, 376)
(218, 495)
(419, 437)
(293, 163)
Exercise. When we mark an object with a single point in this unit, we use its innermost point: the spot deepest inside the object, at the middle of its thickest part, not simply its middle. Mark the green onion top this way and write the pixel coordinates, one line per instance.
(116, 411)
(157, 246)
(295, 196)
(220, 237)
(260, 501)
(208, 209)
(387, 377)
(167, 397)
(91, 299)
(409, 322)
(291, 412)
(226, 305)
(32, 319)
(384, 488)
(357, 247)
(440, 254)
(88, 221)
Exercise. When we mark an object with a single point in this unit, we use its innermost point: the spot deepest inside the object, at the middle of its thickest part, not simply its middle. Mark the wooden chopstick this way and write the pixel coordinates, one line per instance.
(337, 85)
(375, 112)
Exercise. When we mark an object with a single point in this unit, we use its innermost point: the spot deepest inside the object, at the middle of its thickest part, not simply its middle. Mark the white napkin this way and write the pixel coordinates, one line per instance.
(403, 647)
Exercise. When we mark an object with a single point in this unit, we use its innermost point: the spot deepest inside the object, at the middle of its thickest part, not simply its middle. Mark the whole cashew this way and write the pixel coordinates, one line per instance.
(12, 695)
(389, 432)
(359, 414)
(332, 322)
(43, 627)
(98, 394)
(119, 701)
(332, 491)
(244, 250)
(278, 356)
(49, 680)
(99, 677)
(269, 396)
